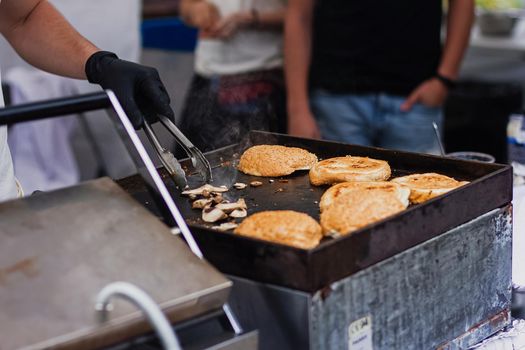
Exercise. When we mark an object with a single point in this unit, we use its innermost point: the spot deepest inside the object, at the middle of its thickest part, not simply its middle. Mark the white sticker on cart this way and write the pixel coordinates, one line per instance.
(360, 334)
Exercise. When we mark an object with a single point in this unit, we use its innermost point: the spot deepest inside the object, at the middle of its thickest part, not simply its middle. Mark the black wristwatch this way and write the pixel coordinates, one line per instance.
(449, 83)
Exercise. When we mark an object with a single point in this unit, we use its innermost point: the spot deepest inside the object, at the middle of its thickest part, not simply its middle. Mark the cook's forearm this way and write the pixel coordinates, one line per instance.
(459, 24)
(46, 40)
(298, 32)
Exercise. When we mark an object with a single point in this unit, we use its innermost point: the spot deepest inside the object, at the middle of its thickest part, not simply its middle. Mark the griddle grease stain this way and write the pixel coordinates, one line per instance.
(27, 267)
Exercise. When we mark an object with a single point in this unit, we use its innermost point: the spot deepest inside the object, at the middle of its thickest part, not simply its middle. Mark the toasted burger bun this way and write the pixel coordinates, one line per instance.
(343, 169)
(426, 186)
(273, 160)
(282, 226)
(355, 209)
(400, 192)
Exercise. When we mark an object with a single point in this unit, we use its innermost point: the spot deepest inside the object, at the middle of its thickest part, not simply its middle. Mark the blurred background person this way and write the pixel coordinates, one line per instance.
(374, 73)
(238, 83)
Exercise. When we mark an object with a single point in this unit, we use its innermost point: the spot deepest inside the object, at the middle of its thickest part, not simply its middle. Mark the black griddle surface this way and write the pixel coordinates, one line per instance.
(311, 270)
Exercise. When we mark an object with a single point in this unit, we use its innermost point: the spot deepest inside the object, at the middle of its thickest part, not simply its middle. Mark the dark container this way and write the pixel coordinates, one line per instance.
(476, 115)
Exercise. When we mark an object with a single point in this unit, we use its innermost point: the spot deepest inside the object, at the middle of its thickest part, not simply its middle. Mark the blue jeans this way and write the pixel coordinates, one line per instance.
(376, 120)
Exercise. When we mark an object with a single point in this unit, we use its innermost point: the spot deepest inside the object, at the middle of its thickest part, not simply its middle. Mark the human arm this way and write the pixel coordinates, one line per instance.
(43, 37)
(433, 92)
(297, 47)
(199, 13)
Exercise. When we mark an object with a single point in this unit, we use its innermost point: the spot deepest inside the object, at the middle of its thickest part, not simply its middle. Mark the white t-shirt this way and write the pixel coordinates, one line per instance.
(8, 188)
(248, 50)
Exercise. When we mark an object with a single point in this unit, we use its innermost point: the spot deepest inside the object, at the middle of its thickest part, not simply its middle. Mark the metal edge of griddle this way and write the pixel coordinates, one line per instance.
(311, 270)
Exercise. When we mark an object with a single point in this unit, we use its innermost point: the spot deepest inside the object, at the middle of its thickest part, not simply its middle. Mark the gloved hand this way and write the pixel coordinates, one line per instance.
(137, 87)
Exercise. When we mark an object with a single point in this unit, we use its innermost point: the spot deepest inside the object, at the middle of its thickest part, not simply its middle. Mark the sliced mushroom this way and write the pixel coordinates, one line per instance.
(213, 215)
(240, 185)
(205, 189)
(201, 203)
(225, 226)
(242, 203)
(256, 183)
(216, 198)
(239, 213)
(229, 207)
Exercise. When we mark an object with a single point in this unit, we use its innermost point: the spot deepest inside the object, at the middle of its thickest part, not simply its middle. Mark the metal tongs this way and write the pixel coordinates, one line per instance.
(199, 162)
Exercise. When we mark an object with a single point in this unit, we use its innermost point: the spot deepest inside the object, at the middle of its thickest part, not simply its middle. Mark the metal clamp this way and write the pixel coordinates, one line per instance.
(200, 163)
(167, 158)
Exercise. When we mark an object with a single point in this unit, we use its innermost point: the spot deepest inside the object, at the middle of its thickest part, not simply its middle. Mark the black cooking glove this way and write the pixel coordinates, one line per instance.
(137, 87)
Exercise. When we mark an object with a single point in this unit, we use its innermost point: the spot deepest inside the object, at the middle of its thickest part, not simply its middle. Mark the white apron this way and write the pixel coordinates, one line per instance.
(7, 178)
(8, 187)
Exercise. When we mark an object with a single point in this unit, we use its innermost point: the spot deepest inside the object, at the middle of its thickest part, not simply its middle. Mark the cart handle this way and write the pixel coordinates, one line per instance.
(54, 108)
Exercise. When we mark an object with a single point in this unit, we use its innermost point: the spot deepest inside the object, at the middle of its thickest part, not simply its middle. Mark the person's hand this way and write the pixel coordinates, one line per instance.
(303, 124)
(431, 93)
(226, 27)
(138, 88)
(204, 15)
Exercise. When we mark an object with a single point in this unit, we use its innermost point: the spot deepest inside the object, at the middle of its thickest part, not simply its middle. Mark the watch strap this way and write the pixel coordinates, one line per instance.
(449, 83)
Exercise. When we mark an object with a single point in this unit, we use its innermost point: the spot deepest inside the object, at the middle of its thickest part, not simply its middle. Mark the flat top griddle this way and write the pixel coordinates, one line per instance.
(333, 259)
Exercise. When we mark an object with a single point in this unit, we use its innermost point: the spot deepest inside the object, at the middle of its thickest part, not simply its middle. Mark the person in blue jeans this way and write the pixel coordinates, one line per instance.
(372, 73)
